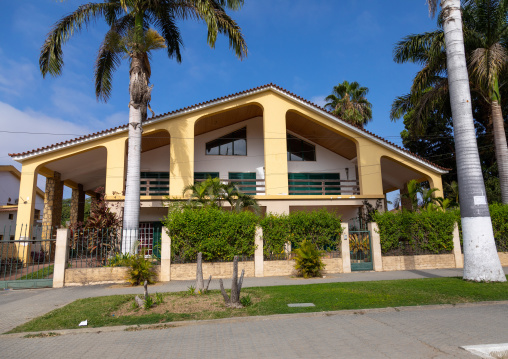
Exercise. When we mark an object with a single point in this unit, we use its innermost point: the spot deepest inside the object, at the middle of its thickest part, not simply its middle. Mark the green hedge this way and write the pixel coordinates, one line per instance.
(218, 234)
(320, 227)
(499, 215)
(409, 233)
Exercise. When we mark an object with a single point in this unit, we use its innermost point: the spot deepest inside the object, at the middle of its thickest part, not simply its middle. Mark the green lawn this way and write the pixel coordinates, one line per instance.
(274, 300)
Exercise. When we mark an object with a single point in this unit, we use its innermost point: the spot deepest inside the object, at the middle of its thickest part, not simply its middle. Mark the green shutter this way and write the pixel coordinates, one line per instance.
(316, 184)
(243, 175)
(162, 179)
(205, 175)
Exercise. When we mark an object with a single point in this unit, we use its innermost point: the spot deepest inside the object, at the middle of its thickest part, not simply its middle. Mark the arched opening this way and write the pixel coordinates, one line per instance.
(321, 161)
(229, 145)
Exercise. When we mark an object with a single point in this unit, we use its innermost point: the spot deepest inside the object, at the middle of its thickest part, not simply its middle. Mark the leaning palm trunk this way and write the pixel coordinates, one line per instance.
(501, 149)
(140, 96)
(481, 262)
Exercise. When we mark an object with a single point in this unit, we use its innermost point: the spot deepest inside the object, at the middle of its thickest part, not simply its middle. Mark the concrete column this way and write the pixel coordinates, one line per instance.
(165, 275)
(181, 152)
(258, 253)
(369, 168)
(377, 259)
(457, 251)
(115, 167)
(275, 147)
(26, 205)
(61, 255)
(77, 205)
(52, 217)
(346, 258)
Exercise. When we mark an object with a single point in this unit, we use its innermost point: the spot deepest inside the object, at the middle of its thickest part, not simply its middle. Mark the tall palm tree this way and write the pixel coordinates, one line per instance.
(481, 262)
(485, 38)
(132, 18)
(348, 101)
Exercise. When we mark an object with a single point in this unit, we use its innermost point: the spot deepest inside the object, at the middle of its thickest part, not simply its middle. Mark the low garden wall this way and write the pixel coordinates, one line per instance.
(99, 275)
(287, 267)
(217, 270)
(425, 261)
(503, 257)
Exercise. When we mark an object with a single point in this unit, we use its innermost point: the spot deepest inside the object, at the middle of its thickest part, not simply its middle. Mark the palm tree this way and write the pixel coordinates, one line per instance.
(485, 37)
(481, 262)
(131, 19)
(349, 103)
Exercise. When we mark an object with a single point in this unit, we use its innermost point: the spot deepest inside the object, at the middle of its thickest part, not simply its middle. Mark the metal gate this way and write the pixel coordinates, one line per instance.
(27, 263)
(360, 247)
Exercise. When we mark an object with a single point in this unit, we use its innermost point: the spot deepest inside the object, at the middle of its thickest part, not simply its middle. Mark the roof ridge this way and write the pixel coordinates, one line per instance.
(187, 108)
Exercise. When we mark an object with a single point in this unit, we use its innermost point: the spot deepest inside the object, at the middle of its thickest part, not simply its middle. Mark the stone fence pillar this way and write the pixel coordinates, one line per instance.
(457, 251)
(61, 255)
(346, 258)
(377, 259)
(165, 275)
(258, 253)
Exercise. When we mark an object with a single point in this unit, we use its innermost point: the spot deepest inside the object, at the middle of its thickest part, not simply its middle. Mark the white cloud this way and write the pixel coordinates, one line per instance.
(22, 123)
(16, 76)
(116, 119)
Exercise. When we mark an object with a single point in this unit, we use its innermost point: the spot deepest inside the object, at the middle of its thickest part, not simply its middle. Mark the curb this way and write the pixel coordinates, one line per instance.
(160, 326)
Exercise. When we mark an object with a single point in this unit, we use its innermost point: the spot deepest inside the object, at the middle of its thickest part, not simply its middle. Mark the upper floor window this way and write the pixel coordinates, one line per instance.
(232, 144)
(299, 150)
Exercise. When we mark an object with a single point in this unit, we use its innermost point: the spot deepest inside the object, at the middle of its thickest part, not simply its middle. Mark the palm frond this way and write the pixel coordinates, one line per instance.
(51, 56)
(107, 61)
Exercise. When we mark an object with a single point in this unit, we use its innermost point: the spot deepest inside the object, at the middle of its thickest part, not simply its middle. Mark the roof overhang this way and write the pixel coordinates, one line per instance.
(20, 157)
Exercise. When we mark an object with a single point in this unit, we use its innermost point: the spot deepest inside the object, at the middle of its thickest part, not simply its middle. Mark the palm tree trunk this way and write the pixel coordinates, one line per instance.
(481, 262)
(501, 149)
(140, 96)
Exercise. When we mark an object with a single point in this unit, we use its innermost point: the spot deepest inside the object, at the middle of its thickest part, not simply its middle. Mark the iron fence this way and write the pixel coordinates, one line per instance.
(113, 247)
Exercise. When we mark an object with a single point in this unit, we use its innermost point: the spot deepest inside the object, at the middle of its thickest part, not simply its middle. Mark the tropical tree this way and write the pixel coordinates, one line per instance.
(212, 192)
(129, 24)
(481, 262)
(348, 101)
(485, 38)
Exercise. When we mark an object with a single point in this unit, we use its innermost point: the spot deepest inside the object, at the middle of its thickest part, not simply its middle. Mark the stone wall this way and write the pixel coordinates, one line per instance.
(503, 257)
(218, 270)
(287, 267)
(427, 261)
(99, 275)
(8, 250)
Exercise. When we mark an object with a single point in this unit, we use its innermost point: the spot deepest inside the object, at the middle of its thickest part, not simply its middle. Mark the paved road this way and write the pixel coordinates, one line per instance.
(429, 332)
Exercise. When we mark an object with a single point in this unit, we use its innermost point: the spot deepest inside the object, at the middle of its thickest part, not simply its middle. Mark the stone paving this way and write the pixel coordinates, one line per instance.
(425, 332)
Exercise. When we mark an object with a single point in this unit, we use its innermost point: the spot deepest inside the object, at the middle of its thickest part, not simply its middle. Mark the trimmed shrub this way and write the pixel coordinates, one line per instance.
(140, 269)
(308, 261)
(319, 227)
(218, 234)
(410, 233)
(499, 215)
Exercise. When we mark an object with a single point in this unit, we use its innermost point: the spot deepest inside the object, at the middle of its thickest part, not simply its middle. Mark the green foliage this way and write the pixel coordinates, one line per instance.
(148, 302)
(246, 300)
(499, 215)
(159, 298)
(134, 304)
(191, 290)
(308, 261)
(218, 234)
(140, 269)
(319, 227)
(119, 260)
(66, 210)
(407, 233)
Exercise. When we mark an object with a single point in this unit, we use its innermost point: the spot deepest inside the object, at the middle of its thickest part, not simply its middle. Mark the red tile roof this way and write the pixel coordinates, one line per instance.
(188, 108)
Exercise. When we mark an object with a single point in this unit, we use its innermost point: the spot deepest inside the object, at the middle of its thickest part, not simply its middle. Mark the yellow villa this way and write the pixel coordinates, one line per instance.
(289, 153)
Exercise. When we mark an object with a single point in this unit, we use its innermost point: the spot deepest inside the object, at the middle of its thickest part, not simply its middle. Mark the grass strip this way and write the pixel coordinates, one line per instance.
(40, 274)
(99, 311)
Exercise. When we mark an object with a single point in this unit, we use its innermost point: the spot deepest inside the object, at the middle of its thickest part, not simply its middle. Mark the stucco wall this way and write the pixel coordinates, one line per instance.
(158, 159)
(427, 261)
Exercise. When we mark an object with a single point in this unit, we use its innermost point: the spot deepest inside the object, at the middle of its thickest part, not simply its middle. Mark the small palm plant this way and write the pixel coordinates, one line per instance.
(308, 260)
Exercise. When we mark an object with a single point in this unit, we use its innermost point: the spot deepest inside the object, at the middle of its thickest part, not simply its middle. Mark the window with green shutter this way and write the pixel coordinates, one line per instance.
(154, 178)
(205, 175)
(248, 186)
(314, 183)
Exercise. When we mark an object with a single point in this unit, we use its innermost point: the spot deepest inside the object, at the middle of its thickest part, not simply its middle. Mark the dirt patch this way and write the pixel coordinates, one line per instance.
(180, 303)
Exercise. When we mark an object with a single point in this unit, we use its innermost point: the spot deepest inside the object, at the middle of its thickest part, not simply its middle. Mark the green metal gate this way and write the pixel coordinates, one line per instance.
(27, 263)
(360, 247)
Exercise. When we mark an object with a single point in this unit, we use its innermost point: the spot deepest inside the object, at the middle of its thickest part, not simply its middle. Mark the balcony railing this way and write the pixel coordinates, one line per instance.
(323, 187)
(154, 187)
(247, 186)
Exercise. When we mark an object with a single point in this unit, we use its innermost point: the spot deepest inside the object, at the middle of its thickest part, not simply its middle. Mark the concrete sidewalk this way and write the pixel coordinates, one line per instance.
(19, 306)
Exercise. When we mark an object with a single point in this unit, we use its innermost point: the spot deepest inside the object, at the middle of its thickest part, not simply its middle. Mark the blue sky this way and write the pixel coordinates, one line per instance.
(304, 46)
